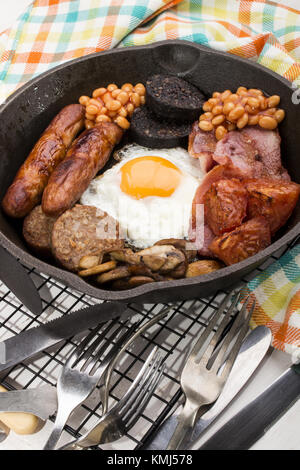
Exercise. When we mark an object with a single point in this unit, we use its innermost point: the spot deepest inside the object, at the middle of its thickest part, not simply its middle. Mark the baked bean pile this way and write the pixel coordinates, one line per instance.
(113, 104)
(228, 111)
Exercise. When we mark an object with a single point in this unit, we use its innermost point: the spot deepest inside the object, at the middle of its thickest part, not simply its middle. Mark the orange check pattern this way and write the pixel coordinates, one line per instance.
(51, 32)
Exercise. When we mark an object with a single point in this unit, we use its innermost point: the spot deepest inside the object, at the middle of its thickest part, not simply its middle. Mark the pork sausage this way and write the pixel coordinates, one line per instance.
(27, 188)
(86, 156)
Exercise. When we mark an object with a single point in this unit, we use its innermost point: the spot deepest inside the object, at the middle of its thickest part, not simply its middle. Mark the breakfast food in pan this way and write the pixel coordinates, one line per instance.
(193, 183)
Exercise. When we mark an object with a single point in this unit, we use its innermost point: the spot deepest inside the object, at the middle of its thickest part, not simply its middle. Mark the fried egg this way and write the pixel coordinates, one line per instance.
(149, 192)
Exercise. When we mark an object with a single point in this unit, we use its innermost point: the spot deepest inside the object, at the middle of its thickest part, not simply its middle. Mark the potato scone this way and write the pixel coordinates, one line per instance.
(83, 231)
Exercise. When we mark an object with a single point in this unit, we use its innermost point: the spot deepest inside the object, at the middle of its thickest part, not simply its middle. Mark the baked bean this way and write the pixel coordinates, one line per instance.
(84, 100)
(279, 115)
(216, 94)
(130, 108)
(255, 92)
(103, 118)
(113, 105)
(135, 99)
(217, 120)
(267, 122)
(263, 102)
(140, 89)
(104, 110)
(99, 92)
(243, 121)
(229, 106)
(112, 114)
(207, 106)
(253, 102)
(273, 101)
(206, 125)
(213, 101)
(116, 92)
(221, 131)
(143, 100)
(92, 109)
(206, 116)
(111, 87)
(127, 87)
(97, 103)
(217, 110)
(234, 98)
(122, 122)
(123, 97)
(107, 97)
(122, 112)
(236, 113)
(225, 94)
(253, 120)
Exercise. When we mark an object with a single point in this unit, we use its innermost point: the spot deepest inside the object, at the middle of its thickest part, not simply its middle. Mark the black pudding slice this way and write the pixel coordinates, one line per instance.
(149, 130)
(172, 97)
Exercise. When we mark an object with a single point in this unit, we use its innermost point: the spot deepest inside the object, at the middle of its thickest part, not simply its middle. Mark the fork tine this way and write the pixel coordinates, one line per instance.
(235, 349)
(100, 344)
(220, 330)
(94, 368)
(78, 350)
(212, 323)
(137, 380)
(135, 396)
(146, 397)
(241, 319)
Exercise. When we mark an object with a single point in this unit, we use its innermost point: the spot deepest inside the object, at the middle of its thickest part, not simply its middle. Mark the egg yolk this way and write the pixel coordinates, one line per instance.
(149, 176)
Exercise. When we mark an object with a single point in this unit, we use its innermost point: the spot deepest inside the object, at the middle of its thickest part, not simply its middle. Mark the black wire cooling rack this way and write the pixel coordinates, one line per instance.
(173, 335)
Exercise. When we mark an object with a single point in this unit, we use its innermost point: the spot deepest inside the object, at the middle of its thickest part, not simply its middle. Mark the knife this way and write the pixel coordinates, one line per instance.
(40, 401)
(34, 340)
(16, 278)
(252, 422)
(251, 353)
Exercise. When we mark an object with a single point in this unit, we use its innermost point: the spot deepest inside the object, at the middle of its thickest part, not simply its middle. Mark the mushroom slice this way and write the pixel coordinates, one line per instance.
(100, 268)
(202, 267)
(172, 257)
(180, 244)
(126, 256)
(89, 261)
(117, 273)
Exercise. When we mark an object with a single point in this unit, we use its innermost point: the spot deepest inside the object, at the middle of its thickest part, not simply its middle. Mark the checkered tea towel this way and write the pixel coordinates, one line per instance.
(277, 294)
(51, 32)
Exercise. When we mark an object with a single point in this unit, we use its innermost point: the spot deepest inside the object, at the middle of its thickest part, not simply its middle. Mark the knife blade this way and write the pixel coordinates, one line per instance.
(34, 340)
(251, 353)
(40, 401)
(252, 422)
(16, 278)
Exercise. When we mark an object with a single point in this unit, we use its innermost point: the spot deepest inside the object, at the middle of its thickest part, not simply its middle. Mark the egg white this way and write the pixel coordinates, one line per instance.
(145, 221)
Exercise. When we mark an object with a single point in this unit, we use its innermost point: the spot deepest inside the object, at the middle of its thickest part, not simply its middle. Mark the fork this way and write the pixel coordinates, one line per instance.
(123, 416)
(203, 378)
(81, 372)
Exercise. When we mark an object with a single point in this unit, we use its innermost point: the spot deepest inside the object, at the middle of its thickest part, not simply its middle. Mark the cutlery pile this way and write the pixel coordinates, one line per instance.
(212, 375)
